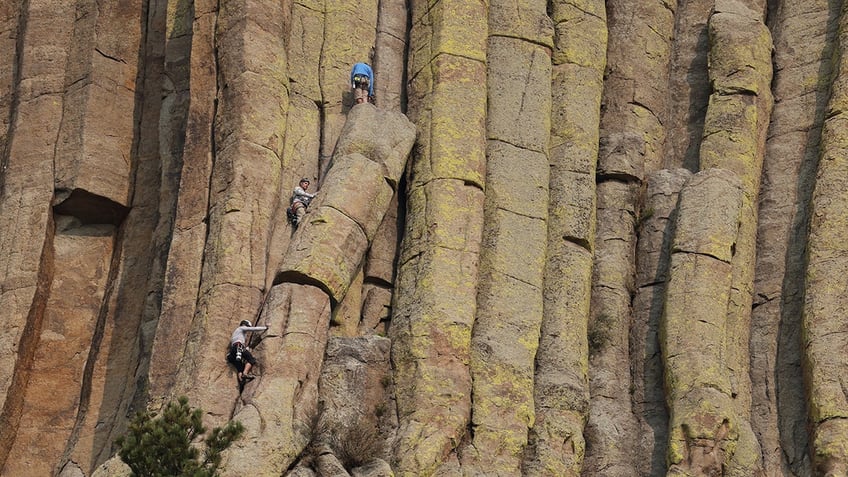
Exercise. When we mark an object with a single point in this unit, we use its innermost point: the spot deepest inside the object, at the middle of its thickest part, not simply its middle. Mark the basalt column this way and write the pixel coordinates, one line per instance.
(54, 143)
(509, 294)
(824, 325)
(561, 388)
(249, 124)
(655, 229)
(802, 30)
(27, 190)
(631, 143)
(734, 139)
(10, 25)
(112, 381)
(389, 86)
(349, 34)
(433, 311)
(323, 258)
(703, 427)
(188, 112)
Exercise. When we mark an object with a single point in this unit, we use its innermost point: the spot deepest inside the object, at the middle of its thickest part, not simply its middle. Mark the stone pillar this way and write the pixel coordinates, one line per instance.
(704, 427)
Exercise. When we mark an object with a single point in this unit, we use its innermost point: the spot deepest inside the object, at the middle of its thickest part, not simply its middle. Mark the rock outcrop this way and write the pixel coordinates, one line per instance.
(570, 237)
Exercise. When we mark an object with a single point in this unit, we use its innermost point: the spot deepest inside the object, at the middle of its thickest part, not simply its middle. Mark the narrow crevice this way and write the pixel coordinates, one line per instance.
(27, 346)
(15, 92)
(94, 348)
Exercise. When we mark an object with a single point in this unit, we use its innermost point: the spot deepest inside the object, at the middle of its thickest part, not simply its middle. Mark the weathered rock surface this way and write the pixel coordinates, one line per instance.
(615, 248)
(703, 426)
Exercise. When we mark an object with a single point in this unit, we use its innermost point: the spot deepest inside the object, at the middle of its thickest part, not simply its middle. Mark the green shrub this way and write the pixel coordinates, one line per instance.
(161, 446)
(356, 444)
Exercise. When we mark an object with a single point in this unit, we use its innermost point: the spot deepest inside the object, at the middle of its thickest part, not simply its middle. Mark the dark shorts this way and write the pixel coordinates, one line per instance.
(246, 357)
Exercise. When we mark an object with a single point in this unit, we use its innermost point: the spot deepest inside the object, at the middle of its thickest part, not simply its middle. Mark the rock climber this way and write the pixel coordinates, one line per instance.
(300, 201)
(362, 83)
(239, 354)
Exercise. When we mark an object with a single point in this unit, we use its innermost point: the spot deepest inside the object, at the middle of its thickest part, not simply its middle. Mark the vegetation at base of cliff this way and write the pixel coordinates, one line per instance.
(353, 445)
(356, 445)
(161, 446)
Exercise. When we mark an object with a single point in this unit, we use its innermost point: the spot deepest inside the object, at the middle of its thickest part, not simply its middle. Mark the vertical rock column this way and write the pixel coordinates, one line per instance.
(734, 139)
(10, 24)
(703, 425)
(779, 415)
(243, 193)
(26, 249)
(689, 84)
(92, 170)
(52, 393)
(631, 143)
(561, 388)
(655, 229)
(435, 303)
(191, 69)
(390, 54)
(390, 88)
(115, 369)
(349, 37)
(323, 259)
(511, 277)
(824, 325)
(300, 158)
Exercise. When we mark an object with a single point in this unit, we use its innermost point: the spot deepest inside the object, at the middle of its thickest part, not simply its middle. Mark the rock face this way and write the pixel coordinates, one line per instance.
(570, 238)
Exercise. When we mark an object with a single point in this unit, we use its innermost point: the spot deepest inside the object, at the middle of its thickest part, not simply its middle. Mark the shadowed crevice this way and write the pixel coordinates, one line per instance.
(89, 208)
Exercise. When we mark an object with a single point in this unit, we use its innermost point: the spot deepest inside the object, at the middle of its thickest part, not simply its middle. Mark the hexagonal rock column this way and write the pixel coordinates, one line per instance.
(323, 259)
(824, 326)
(703, 425)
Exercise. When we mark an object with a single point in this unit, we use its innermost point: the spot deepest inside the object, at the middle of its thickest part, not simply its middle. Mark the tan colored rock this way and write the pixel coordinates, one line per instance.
(704, 426)
(375, 468)
(243, 192)
(609, 318)
(823, 318)
(343, 219)
(380, 264)
(355, 400)
(384, 137)
(689, 84)
(561, 388)
(93, 148)
(349, 35)
(376, 309)
(113, 467)
(636, 95)
(734, 139)
(389, 54)
(52, 393)
(509, 292)
(277, 408)
(656, 230)
(185, 254)
(631, 144)
(348, 313)
(9, 26)
(710, 230)
(779, 416)
(329, 466)
(26, 264)
(432, 319)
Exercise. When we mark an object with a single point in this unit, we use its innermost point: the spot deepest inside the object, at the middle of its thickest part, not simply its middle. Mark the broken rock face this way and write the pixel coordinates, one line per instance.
(554, 299)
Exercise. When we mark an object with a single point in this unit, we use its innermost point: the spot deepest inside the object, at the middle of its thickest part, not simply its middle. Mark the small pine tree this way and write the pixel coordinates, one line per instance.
(161, 446)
